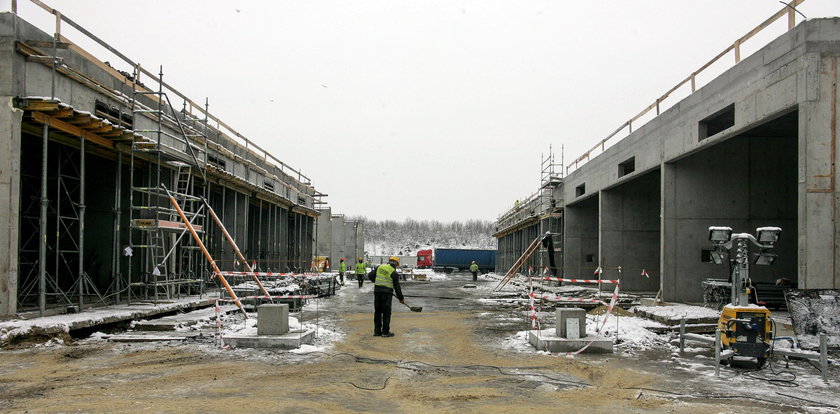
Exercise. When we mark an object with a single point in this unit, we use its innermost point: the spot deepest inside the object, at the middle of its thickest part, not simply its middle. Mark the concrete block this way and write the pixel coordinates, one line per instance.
(571, 317)
(291, 340)
(547, 340)
(273, 319)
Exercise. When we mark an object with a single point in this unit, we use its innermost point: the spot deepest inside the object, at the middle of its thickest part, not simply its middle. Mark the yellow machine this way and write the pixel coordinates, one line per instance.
(744, 328)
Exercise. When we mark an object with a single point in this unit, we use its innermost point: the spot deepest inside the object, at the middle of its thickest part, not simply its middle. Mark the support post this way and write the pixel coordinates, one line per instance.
(115, 260)
(42, 226)
(81, 272)
(717, 352)
(824, 356)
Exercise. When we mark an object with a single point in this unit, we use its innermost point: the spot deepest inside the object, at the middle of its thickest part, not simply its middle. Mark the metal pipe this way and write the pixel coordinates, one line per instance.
(42, 224)
(82, 279)
(682, 335)
(717, 352)
(115, 259)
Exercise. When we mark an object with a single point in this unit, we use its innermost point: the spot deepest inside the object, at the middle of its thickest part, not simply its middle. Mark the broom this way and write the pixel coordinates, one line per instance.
(413, 308)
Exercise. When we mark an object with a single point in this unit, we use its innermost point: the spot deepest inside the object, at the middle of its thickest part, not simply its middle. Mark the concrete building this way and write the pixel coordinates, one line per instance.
(531, 218)
(339, 238)
(88, 155)
(756, 146)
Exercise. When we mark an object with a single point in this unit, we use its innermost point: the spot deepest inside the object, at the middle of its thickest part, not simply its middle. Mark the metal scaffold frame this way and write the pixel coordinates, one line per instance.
(161, 147)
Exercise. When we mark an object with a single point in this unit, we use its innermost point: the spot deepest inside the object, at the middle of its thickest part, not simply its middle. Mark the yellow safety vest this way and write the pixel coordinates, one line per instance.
(383, 276)
(360, 268)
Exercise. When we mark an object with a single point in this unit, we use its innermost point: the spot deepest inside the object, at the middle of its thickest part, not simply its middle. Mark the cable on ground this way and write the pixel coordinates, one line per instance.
(400, 363)
(371, 389)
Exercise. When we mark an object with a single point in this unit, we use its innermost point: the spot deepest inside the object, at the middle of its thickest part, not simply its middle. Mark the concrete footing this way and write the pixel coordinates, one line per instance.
(273, 319)
(547, 340)
(293, 339)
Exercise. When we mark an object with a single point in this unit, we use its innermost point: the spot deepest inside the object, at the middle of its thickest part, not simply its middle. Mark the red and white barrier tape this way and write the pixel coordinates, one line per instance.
(603, 281)
(569, 299)
(267, 274)
(273, 297)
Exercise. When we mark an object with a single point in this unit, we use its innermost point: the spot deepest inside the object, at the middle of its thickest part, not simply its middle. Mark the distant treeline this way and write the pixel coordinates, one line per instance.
(406, 237)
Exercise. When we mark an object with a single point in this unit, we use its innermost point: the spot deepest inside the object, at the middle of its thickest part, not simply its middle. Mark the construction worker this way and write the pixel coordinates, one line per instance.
(386, 281)
(360, 272)
(342, 267)
(474, 270)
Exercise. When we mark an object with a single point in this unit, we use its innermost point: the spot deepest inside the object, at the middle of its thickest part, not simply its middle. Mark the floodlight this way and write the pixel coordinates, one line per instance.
(768, 235)
(764, 258)
(716, 256)
(720, 235)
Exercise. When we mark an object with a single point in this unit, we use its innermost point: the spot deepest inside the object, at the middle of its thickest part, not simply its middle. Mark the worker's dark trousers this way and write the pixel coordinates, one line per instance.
(382, 312)
(361, 279)
(342, 277)
(475, 276)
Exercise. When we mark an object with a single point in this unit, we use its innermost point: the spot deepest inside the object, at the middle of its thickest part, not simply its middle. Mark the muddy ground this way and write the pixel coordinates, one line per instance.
(451, 357)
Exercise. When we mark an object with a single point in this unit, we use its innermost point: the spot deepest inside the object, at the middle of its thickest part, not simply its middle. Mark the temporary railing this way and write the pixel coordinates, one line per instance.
(789, 10)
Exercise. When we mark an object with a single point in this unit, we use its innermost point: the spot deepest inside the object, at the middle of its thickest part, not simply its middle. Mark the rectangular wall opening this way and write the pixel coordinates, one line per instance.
(717, 122)
(627, 167)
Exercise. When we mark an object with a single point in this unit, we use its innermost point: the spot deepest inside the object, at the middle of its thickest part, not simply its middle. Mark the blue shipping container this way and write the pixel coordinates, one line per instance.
(462, 259)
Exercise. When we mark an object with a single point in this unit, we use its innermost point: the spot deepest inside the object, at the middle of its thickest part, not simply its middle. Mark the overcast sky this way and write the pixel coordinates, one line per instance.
(423, 109)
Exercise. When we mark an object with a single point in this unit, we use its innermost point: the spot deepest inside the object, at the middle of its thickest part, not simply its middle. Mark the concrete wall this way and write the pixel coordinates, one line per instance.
(581, 256)
(704, 182)
(629, 232)
(323, 246)
(350, 241)
(360, 239)
(339, 249)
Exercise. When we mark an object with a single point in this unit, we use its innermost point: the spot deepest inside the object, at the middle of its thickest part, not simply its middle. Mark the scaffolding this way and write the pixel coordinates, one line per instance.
(166, 257)
(533, 217)
(153, 147)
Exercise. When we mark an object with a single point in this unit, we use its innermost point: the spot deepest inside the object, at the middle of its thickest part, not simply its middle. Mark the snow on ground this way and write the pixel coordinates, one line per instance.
(632, 332)
(89, 317)
(677, 312)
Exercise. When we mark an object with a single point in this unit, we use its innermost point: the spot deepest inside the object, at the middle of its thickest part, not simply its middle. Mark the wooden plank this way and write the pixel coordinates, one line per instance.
(39, 105)
(61, 113)
(91, 125)
(71, 129)
(103, 129)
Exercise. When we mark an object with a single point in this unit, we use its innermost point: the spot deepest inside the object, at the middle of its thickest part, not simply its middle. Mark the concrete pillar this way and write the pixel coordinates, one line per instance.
(349, 242)
(324, 246)
(818, 250)
(338, 230)
(273, 319)
(360, 239)
(10, 121)
(668, 230)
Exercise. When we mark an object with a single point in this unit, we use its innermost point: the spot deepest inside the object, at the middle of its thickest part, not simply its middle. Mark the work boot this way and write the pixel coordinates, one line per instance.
(377, 334)
(388, 334)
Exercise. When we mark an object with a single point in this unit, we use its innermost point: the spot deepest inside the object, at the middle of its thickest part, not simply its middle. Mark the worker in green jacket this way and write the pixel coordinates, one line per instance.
(386, 281)
(474, 270)
(342, 267)
(360, 272)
